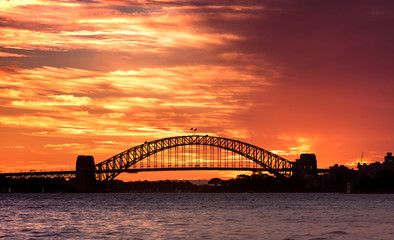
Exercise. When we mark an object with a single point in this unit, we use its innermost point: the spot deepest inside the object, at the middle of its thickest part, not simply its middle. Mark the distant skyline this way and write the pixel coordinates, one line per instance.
(290, 76)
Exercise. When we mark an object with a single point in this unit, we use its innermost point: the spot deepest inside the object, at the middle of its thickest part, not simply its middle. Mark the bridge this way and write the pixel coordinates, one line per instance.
(192, 152)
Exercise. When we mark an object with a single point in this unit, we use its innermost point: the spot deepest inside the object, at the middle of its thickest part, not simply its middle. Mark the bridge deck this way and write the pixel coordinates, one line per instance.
(131, 170)
(136, 170)
(54, 174)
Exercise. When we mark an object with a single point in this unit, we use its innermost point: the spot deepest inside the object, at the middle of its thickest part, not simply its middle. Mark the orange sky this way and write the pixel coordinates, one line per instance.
(98, 77)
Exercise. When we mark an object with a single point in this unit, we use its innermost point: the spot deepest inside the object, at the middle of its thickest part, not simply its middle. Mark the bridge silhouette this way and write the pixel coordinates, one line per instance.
(192, 152)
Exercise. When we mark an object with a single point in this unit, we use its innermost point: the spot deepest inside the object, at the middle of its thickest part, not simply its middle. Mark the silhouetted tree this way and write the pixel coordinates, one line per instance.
(215, 181)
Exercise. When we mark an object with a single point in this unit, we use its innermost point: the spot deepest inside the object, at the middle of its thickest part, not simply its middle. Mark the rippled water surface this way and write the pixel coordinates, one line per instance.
(196, 216)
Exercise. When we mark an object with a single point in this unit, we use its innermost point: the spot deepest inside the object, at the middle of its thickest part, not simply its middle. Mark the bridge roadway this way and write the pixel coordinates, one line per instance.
(46, 174)
(72, 174)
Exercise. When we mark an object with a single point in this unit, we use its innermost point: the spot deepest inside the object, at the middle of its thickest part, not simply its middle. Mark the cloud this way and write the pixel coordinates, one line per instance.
(16, 147)
(10, 68)
(7, 54)
(296, 145)
(68, 102)
(53, 100)
(93, 148)
(66, 145)
(65, 26)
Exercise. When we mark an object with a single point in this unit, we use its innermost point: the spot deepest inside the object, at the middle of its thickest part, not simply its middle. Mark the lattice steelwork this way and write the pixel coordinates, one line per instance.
(193, 152)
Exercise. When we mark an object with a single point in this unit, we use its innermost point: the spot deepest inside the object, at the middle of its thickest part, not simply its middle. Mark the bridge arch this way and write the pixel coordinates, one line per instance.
(267, 161)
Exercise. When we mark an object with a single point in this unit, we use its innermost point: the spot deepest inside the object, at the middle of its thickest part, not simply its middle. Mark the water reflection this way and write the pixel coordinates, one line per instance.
(196, 216)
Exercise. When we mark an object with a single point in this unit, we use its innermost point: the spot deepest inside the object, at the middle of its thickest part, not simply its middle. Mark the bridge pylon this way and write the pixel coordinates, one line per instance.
(85, 175)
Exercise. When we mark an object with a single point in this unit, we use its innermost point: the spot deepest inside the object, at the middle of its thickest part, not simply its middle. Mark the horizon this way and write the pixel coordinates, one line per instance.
(99, 77)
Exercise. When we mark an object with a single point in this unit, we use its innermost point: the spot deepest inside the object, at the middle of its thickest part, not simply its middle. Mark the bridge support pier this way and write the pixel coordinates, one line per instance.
(306, 166)
(85, 176)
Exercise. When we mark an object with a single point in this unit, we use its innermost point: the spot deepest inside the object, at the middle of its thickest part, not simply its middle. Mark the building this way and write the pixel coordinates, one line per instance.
(372, 170)
(389, 161)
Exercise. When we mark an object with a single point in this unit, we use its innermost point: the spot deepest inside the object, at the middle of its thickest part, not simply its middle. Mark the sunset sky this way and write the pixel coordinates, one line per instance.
(291, 76)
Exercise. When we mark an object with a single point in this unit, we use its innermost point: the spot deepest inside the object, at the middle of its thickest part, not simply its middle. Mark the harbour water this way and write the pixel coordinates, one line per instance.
(196, 216)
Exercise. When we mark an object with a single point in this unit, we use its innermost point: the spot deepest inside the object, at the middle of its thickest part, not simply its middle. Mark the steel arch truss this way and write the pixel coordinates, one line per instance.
(112, 167)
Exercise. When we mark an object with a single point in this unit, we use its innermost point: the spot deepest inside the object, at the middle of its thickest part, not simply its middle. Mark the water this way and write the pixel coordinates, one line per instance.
(196, 216)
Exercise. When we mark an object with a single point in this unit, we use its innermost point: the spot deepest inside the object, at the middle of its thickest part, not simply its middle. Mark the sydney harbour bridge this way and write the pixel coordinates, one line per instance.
(192, 152)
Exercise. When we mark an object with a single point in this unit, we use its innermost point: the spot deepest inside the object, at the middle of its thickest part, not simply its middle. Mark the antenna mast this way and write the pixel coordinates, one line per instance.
(362, 154)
